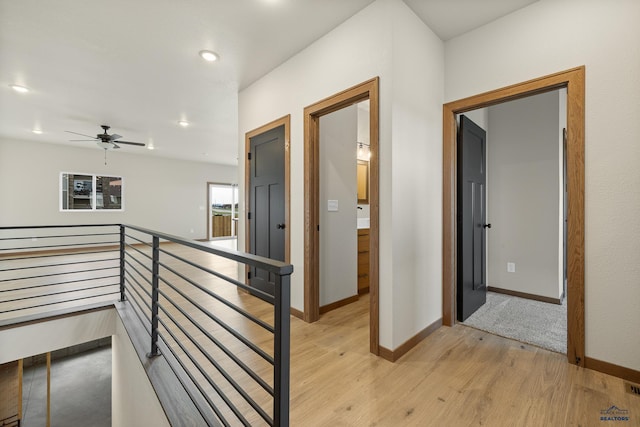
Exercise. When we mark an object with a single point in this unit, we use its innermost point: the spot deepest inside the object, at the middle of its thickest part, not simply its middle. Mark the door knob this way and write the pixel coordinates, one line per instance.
(280, 226)
(487, 226)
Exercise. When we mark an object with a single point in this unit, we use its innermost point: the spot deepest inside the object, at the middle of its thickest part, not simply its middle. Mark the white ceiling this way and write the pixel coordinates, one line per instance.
(134, 64)
(450, 18)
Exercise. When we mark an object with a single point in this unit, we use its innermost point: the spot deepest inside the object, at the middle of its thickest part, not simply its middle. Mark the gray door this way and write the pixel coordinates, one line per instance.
(266, 203)
(472, 290)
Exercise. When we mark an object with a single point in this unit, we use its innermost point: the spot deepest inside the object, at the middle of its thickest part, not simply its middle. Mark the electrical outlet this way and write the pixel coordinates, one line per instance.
(511, 267)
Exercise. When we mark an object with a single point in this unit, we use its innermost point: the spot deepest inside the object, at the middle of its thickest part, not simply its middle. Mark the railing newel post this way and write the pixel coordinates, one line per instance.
(122, 255)
(154, 296)
(282, 344)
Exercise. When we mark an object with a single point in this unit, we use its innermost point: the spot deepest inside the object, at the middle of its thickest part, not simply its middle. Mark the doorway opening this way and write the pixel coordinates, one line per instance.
(313, 204)
(519, 249)
(222, 211)
(573, 81)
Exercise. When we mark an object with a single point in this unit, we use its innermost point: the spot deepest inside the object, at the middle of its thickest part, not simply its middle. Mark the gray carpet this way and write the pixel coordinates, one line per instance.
(533, 322)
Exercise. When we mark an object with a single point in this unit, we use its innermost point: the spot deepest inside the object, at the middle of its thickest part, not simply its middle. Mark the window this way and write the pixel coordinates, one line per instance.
(86, 192)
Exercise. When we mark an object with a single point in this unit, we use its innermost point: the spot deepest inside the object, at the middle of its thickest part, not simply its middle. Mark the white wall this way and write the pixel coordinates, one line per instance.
(338, 234)
(387, 40)
(416, 183)
(160, 194)
(42, 337)
(550, 36)
(133, 400)
(523, 201)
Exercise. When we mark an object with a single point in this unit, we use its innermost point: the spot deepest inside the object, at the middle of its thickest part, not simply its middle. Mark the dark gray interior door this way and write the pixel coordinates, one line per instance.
(472, 290)
(266, 209)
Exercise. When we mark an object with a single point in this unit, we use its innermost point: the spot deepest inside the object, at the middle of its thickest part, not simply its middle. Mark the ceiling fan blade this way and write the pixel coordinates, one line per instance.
(140, 144)
(114, 145)
(115, 136)
(81, 134)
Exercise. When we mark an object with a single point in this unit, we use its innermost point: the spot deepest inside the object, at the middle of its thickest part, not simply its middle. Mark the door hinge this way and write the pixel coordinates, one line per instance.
(248, 215)
(249, 275)
(318, 227)
(249, 155)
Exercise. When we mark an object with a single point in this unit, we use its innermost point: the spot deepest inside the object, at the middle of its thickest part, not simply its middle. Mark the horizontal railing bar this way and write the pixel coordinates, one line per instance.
(246, 314)
(273, 266)
(137, 303)
(139, 284)
(40, 276)
(60, 246)
(219, 368)
(136, 308)
(213, 407)
(58, 302)
(211, 383)
(138, 240)
(58, 254)
(59, 293)
(135, 289)
(228, 328)
(58, 236)
(137, 250)
(66, 282)
(241, 285)
(58, 265)
(257, 378)
(140, 264)
(24, 227)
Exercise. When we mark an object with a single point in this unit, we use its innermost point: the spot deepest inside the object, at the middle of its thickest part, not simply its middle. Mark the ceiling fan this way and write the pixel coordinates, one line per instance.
(105, 141)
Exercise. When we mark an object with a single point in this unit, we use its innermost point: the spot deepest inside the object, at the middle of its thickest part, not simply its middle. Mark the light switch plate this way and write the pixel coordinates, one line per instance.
(511, 267)
(332, 205)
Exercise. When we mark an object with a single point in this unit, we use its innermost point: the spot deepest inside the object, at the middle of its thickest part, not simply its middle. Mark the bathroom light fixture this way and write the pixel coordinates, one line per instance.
(19, 88)
(183, 123)
(208, 55)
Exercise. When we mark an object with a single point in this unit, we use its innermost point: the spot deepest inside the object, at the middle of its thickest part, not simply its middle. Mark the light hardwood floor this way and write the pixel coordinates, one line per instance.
(457, 376)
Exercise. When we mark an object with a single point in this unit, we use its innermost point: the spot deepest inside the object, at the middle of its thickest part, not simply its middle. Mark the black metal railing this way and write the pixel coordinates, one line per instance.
(228, 343)
(53, 267)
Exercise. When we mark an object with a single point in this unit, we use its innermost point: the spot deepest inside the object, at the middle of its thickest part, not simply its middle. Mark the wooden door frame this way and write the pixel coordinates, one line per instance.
(574, 81)
(286, 122)
(366, 90)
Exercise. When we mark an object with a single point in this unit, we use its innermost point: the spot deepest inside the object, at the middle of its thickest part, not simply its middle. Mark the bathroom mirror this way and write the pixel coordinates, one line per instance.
(362, 169)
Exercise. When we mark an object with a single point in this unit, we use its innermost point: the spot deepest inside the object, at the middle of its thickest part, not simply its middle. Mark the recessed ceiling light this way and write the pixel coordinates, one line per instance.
(183, 123)
(208, 55)
(37, 131)
(18, 88)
